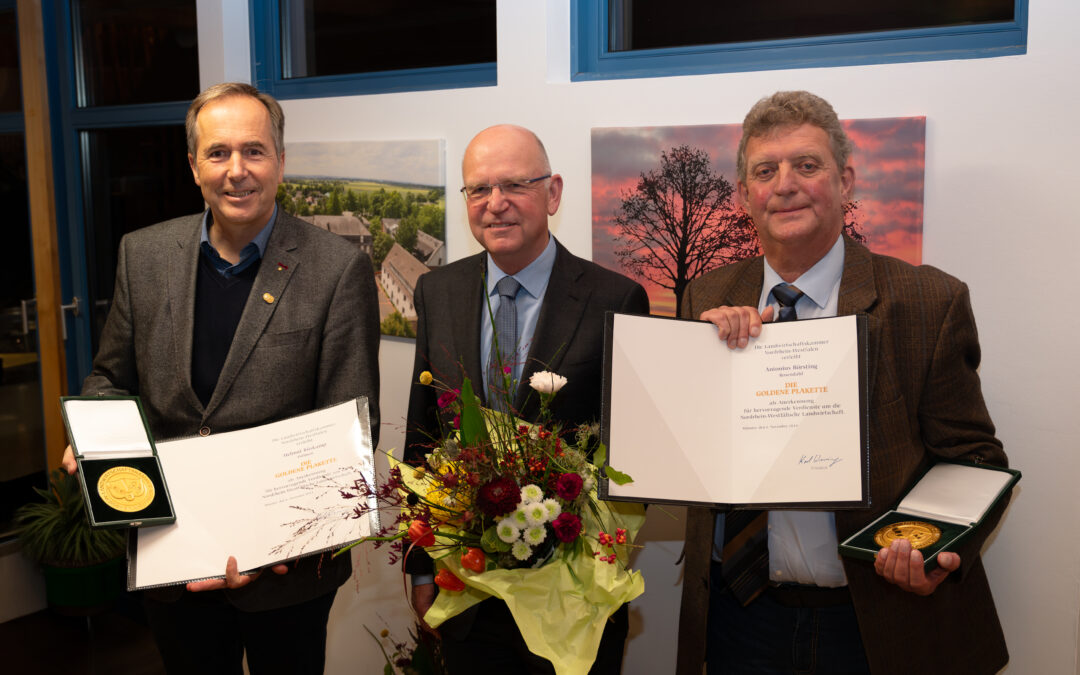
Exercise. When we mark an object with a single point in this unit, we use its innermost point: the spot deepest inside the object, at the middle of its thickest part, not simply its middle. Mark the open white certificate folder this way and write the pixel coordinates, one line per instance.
(267, 494)
(779, 424)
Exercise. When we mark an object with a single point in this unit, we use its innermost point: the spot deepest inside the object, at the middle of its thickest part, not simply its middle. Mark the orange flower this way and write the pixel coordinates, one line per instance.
(421, 534)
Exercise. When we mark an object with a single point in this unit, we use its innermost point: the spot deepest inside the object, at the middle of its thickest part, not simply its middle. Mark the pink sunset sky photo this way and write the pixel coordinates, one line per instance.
(888, 161)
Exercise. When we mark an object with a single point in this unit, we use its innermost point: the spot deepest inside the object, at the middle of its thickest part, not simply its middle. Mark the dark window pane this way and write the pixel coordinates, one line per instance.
(22, 441)
(651, 24)
(10, 94)
(133, 177)
(132, 51)
(337, 37)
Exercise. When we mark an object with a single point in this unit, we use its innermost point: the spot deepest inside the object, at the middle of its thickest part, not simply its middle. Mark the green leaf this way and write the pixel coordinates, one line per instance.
(617, 477)
(600, 456)
(491, 543)
(473, 429)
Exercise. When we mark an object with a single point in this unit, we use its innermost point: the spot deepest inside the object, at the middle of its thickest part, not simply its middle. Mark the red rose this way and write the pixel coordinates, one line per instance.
(447, 398)
(498, 496)
(568, 486)
(567, 527)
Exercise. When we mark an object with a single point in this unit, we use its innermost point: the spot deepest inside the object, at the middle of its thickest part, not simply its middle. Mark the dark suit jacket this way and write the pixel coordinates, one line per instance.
(926, 403)
(569, 340)
(315, 345)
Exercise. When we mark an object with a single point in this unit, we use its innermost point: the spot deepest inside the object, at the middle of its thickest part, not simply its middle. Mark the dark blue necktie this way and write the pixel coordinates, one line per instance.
(504, 346)
(787, 295)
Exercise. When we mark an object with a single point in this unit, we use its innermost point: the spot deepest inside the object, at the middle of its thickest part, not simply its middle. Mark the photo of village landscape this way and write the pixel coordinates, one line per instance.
(386, 197)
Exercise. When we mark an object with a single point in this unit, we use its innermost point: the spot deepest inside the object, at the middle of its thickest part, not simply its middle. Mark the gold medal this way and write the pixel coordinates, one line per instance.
(126, 489)
(919, 533)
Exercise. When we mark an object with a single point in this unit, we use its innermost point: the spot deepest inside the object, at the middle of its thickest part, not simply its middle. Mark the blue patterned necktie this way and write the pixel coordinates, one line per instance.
(745, 556)
(787, 295)
(504, 346)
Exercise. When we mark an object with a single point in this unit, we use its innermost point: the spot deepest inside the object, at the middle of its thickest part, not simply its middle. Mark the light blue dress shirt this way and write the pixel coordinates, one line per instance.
(534, 282)
(802, 544)
(255, 249)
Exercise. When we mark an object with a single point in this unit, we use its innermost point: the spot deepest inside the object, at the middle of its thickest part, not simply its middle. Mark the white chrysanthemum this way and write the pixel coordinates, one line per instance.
(535, 535)
(519, 519)
(521, 550)
(553, 509)
(535, 514)
(547, 382)
(531, 493)
(588, 484)
(507, 530)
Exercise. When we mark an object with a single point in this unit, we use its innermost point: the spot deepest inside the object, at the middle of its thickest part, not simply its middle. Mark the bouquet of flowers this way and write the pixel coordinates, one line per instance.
(509, 509)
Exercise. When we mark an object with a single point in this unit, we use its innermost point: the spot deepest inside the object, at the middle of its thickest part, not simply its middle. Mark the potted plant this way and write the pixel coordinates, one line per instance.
(83, 567)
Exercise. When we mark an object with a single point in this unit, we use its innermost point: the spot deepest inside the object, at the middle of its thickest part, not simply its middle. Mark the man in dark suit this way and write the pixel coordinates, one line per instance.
(236, 317)
(819, 613)
(509, 192)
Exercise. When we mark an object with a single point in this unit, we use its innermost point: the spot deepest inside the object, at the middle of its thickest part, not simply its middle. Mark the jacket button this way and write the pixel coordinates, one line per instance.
(205, 431)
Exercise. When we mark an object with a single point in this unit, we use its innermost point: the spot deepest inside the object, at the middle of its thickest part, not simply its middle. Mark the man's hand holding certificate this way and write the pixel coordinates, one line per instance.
(777, 423)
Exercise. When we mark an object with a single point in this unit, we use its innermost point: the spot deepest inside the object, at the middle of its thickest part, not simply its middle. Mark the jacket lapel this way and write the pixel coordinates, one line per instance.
(858, 294)
(560, 314)
(266, 292)
(466, 329)
(180, 282)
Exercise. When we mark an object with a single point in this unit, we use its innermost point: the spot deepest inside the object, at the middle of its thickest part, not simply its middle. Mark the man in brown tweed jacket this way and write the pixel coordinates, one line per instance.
(821, 613)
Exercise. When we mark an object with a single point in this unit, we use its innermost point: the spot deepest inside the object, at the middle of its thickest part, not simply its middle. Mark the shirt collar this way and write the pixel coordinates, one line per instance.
(256, 248)
(533, 279)
(818, 282)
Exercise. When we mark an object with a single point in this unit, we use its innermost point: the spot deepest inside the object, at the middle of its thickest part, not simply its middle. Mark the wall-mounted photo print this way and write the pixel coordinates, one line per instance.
(665, 208)
(386, 197)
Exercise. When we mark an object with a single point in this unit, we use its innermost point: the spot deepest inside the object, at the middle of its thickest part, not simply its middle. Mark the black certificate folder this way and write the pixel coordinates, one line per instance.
(122, 481)
(781, 423)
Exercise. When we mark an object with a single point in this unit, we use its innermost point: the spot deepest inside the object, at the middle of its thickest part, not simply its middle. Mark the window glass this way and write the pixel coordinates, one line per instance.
(338, 37)
(650, 24)
(10, 94)
(22, 439)
(134, 177)
(132, 51)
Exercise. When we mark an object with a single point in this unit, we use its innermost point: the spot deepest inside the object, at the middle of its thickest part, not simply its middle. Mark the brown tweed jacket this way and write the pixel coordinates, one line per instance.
(925, 403)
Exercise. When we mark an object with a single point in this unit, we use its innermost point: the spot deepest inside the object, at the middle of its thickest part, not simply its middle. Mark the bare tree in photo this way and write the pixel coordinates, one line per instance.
(679, 222)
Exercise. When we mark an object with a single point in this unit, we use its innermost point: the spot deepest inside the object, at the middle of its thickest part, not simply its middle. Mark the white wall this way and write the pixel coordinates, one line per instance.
(1002, 168)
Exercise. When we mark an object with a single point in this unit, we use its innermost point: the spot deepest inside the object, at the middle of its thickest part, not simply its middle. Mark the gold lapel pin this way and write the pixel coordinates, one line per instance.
(268, 298)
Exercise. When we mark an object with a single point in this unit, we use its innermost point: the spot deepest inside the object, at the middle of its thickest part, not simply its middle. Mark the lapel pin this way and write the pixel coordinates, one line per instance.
(282, 266)
(268, 298)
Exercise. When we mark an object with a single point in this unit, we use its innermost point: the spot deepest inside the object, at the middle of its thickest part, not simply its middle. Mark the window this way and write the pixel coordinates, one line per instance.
(127, 71)
(308, 48)
(650, 38)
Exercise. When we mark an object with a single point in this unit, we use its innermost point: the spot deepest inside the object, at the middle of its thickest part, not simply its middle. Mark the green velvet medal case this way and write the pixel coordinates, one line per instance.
(121, 476)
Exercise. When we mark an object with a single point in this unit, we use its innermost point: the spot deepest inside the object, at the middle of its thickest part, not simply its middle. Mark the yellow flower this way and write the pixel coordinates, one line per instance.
(426, 378)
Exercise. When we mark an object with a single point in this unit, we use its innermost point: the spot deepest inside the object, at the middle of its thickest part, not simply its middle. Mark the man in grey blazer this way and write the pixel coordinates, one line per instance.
(509, 192)
(233, 318)
(819, 613)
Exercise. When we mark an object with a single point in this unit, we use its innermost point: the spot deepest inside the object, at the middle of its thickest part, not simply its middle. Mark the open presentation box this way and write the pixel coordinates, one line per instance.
(121, 476)
(951, 496)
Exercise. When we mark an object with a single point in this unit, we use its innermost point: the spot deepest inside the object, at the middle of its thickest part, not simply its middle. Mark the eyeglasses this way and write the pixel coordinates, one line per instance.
(509, 188)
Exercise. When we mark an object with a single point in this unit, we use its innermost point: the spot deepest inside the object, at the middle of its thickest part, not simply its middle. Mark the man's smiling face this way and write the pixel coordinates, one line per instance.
(236, 163)
(795, 191)
(512, 228)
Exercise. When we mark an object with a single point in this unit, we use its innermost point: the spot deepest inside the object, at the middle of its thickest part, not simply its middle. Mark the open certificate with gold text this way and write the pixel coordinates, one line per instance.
(265, 495)
(778, 424)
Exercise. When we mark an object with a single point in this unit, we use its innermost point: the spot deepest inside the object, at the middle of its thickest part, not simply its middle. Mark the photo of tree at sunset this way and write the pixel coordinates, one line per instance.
(665, 208)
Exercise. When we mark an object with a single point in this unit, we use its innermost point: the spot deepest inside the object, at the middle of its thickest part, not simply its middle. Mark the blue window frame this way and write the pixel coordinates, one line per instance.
(593, 59)
(267, 68)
